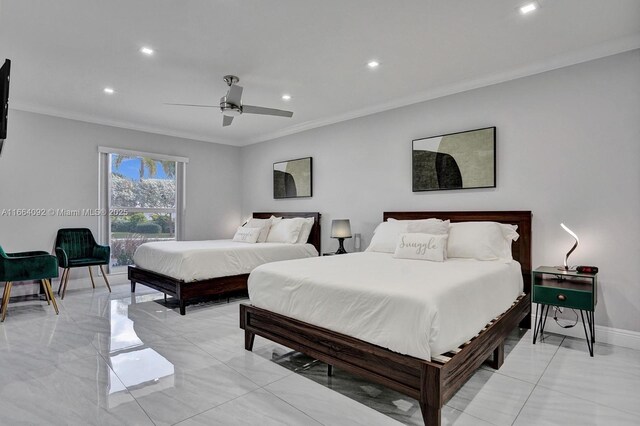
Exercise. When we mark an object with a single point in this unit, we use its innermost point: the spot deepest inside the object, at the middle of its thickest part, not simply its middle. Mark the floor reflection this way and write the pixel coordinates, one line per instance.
(132, 361)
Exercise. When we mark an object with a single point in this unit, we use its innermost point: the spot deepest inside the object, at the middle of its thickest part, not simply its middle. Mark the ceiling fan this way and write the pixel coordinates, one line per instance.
(231, 104)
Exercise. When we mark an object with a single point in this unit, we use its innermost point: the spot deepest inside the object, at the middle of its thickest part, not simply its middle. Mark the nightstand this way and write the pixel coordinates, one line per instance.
(333, 254)
(567, 289)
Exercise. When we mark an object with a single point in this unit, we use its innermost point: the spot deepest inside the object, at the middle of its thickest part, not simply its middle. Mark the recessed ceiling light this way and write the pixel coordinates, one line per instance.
(528, 8)
(146, 50)
(373, 64)
(286, 97)
(109, 91)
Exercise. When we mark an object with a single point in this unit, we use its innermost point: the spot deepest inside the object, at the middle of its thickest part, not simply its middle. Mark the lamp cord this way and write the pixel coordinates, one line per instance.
(556, 309)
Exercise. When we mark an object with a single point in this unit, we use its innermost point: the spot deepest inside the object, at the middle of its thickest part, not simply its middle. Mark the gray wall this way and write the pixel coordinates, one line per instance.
(51, 162)
(568, 149)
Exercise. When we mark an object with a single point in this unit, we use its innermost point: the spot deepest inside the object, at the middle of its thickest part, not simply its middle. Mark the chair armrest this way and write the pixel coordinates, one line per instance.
(26, 268)
(27, 254)
(102, 252)
(63, 259)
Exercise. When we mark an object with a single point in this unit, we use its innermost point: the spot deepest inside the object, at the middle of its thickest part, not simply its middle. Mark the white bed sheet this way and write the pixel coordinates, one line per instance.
(201, 260)
(413, 307)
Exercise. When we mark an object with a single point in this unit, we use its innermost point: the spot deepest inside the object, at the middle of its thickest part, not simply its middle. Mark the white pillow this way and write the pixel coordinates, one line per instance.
(385, 236)
(510, 234)
(247, 235)
(285, 231)
(275, 219)
(422, 246)
(263, 224)
(307, 224)
(429, 226)
(481, 240)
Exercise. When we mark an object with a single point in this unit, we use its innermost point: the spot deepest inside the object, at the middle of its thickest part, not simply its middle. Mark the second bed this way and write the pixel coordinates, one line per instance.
(193, 269)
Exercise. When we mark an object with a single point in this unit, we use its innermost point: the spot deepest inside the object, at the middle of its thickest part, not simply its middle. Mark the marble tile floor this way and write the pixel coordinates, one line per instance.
(118, 359)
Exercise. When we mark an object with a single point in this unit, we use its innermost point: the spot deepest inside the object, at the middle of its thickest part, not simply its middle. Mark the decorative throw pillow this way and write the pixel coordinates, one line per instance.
(285, 231)
(305, 231)
(247, 235)
(422, 246)
(263, 224)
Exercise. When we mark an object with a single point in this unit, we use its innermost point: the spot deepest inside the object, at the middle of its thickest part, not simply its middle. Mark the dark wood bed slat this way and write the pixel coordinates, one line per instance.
(184, 291)
(432, 383)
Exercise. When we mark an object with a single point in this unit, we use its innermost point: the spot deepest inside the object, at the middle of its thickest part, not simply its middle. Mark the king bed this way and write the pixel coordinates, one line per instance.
(421, 328)
(193, 269)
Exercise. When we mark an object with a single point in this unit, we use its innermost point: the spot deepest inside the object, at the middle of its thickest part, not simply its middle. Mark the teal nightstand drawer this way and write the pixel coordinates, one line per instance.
(563, 297)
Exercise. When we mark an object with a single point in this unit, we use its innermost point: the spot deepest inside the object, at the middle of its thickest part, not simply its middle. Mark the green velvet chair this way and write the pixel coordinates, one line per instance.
(76, 248)
(27, 266)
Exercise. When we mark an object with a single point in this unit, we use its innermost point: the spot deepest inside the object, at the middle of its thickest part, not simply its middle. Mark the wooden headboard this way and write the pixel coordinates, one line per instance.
(521, 249)
(314, 237)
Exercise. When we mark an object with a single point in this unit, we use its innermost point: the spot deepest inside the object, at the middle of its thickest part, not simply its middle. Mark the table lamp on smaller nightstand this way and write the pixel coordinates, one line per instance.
(565, 267)
(340, 229)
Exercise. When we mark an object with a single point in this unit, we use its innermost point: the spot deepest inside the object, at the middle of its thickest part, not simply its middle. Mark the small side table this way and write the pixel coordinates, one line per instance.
(568, 289)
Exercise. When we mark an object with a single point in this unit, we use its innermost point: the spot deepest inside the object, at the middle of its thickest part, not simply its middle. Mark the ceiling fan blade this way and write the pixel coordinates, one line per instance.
(196, 105)
(250, 109)
(226, 120)
(234, 95)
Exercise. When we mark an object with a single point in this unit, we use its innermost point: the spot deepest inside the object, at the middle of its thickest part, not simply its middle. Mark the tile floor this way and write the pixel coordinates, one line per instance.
(132, 360)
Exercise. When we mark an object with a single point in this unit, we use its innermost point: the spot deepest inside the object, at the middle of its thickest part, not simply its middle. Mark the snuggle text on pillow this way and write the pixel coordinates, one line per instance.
(421, 248)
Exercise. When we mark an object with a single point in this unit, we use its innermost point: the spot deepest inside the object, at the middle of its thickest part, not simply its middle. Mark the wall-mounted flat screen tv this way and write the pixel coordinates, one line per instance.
(4, 100)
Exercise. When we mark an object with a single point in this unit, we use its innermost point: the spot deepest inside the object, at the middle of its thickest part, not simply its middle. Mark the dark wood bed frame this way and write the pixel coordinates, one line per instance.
(433, 382)
(184, 291)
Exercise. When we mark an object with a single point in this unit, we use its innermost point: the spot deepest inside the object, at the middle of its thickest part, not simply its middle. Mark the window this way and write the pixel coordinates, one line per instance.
(143, 194)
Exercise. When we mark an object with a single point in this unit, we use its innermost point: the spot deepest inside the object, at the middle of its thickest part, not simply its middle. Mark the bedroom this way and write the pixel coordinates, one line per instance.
(565, 105)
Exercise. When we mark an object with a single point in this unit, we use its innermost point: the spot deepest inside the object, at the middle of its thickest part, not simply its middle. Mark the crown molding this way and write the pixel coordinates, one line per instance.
(36, 109)
(561, 61)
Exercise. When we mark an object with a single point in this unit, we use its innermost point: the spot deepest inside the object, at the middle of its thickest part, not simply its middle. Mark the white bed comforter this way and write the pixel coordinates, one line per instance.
(201, 260)
(413, 307)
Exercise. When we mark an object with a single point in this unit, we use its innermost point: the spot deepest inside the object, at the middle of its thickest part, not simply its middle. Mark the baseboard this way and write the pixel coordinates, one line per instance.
(611, 336)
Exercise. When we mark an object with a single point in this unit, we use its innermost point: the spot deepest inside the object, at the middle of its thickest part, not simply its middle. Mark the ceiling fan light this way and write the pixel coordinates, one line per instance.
(528, 8)
(146, 50)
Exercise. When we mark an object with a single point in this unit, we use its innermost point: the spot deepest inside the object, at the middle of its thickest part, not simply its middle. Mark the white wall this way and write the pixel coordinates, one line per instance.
(50, 162)
(568, 146)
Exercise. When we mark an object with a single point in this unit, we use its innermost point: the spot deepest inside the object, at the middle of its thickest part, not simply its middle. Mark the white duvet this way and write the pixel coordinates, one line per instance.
(413, 307)
(201, 260)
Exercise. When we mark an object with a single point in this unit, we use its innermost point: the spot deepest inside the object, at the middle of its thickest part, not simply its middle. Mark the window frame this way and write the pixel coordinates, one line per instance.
(104, 191)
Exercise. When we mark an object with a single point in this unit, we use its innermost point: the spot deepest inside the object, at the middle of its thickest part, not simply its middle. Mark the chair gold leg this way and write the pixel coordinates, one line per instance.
(4, 296)
(66, 281)
(53, 298)
(105, 278)
(5, 299)
(46, 292)
(91, 275)
(62, 278)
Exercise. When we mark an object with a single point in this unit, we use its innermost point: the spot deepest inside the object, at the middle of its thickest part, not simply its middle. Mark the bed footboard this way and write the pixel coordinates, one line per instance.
(432, 383)
(187, 291)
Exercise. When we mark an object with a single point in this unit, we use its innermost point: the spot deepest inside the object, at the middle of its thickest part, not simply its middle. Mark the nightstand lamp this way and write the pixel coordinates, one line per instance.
(340, 229)
(566, 258)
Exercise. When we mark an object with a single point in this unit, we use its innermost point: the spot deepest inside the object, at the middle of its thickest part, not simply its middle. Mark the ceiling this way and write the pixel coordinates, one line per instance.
(65, 52)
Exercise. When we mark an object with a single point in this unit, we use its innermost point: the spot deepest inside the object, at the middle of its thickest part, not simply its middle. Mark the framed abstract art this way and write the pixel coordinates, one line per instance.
(462, 160)
(292, 178)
